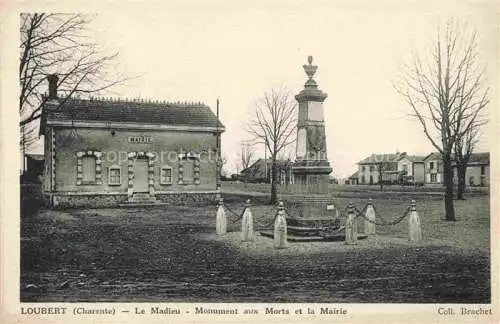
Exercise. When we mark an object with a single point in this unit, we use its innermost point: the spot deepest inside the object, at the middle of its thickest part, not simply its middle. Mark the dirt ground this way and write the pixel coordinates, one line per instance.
(171, 254)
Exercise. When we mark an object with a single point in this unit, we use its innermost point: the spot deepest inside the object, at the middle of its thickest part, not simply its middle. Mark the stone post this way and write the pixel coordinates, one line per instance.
(280, 235)
(414, 228)
(370, 219)
(351, 228)
(221, 220)
(218, 195)
(247, 233)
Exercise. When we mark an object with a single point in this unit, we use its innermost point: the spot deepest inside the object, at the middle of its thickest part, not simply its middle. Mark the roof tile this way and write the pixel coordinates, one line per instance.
(134, 111)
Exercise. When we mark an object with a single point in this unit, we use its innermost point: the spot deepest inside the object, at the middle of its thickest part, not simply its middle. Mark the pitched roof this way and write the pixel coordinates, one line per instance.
(261, 161)
(433, 156)
(378, 158)
(147, 112)
(480, 158)
(475, 158)
(414, 158)
(354, 175)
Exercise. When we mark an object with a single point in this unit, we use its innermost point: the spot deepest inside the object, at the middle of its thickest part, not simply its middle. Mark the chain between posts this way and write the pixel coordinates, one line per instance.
(384, 223)
(359, 213)
(239, 216)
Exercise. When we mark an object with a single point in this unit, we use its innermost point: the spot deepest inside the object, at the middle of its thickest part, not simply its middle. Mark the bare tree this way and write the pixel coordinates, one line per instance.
(381, 168)
(246, 156)
(444, 89)
(470, 106)
(464, 146)
(59, 44)
(274, 124)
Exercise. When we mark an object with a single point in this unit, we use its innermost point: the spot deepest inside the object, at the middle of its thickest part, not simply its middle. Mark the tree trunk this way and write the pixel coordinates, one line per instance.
(380, 177)
(448, 187)
(461, 169)
(274, 182)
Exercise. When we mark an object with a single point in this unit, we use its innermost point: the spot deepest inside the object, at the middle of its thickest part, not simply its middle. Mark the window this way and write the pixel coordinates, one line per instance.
(433, 177)
(88, 170)
(372, 168)
(114, 176)
(471, 181)
(431, 165)
(187, 168)
(405, 167)
(363, 168)
(166, 175)
(482, 169)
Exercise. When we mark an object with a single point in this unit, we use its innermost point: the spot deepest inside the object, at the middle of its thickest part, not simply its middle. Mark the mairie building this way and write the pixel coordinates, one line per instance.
(102, 152)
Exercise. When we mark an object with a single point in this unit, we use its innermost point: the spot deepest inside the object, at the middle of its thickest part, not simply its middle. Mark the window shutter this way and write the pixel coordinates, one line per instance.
(187, 167)
(88, 172)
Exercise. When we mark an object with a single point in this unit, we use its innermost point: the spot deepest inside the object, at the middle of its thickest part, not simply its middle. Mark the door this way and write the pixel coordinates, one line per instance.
(141, 175)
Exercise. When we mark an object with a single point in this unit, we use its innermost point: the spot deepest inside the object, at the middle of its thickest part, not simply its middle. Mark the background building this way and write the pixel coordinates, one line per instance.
(370, 167)
(412, 169)
(478, 170)
(260, 171)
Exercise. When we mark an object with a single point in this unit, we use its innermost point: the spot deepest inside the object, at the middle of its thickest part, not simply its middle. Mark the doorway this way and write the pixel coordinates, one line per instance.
(141, 175)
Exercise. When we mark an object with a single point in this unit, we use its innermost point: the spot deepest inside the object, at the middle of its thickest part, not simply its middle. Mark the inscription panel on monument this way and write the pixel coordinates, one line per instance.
(315, 111)
(301, 142)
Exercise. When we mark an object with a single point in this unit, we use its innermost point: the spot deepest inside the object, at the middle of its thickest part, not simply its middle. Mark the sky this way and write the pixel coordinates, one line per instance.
(238, 50)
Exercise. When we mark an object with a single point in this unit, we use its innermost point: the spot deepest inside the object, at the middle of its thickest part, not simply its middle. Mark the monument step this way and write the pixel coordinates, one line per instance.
(296, 238)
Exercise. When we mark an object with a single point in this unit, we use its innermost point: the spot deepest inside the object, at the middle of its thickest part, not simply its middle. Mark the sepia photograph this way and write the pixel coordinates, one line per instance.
(272, 153)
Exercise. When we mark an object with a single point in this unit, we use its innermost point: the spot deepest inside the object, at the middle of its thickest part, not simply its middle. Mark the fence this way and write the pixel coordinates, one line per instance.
(351, 214)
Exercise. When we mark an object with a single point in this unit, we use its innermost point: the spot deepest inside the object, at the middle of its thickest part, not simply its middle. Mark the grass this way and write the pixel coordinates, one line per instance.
(171, 254)
(353, 190)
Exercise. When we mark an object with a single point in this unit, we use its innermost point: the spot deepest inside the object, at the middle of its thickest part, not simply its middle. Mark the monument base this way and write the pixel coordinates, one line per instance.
(332, 237)
(311, 215)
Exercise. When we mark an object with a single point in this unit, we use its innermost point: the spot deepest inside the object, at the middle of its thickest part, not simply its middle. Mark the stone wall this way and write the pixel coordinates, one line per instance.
(114, 148)
(185, 198)
(86, 201)
(114, 200)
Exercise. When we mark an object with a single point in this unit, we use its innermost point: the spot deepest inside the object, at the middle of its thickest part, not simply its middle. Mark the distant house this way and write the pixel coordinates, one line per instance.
(412, 169)
(478, 170)
(369, 168)
(353, 179)
(433, 164)
(261, 171)
(477, 173)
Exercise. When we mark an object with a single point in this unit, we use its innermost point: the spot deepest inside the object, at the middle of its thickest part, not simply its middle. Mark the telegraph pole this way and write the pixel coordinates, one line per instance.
(218, 162)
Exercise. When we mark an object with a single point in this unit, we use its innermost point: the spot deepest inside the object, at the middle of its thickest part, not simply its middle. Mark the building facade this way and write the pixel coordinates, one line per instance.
(104, 152)
(433, 169)
(379, 167)
(477, 173)
(412, 169)
(401, 168)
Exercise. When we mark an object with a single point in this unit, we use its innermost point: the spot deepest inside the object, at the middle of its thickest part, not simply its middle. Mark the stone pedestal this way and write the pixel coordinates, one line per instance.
(317, 212)
(311, 169)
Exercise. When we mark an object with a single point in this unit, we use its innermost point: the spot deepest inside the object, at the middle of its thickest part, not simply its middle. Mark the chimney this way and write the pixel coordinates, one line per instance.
(53, 79)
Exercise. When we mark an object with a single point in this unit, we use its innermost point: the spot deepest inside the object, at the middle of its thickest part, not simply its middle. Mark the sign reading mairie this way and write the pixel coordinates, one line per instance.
(140, 139)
